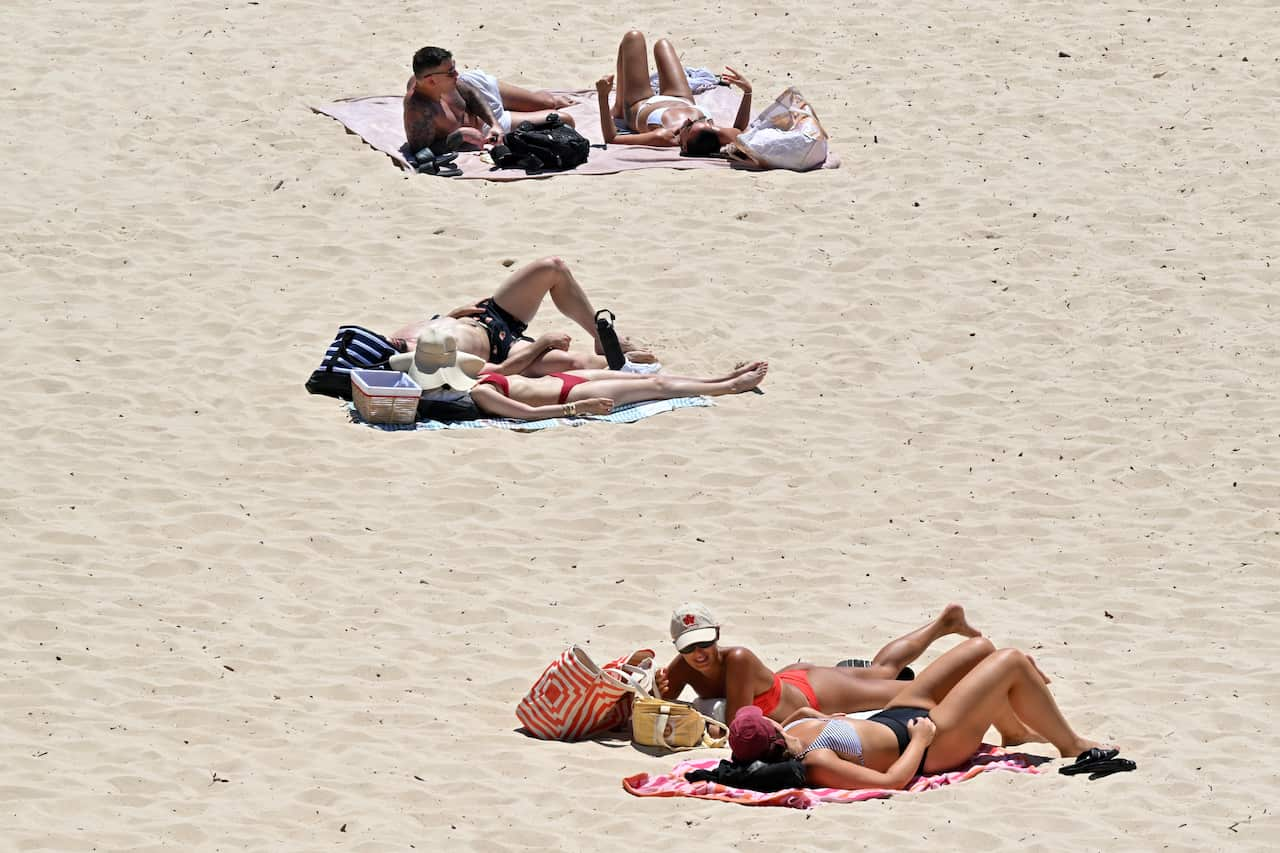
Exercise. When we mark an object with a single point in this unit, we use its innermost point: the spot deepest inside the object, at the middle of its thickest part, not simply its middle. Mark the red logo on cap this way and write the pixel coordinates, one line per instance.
(689, 619)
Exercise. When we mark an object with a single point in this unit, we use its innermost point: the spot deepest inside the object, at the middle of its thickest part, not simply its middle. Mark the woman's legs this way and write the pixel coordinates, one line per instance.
(898, 653)
(659, 387)
(1004, 682)
(671, 76)
(940, 677)
(631, 82)
(598, 374)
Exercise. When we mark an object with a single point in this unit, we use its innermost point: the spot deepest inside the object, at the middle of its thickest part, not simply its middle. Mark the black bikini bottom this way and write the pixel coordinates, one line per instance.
(897, 720)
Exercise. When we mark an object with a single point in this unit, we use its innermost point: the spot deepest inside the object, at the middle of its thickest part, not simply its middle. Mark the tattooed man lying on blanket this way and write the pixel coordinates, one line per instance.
(494, 328)
(445, 108)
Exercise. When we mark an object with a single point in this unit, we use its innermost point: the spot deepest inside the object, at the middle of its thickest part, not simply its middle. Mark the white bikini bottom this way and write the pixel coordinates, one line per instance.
(655, 117)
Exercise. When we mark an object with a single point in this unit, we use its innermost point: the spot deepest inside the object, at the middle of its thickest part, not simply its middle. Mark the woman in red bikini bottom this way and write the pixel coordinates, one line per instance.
(743, 679)
(596, 392)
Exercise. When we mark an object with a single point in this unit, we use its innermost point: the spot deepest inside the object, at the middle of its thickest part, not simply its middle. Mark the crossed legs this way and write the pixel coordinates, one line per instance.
(901, 652)
(972, 688)
(527, 105)
(633, 388)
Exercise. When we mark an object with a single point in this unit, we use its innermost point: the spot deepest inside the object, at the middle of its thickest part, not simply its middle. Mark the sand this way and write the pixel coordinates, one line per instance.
(1024, 357)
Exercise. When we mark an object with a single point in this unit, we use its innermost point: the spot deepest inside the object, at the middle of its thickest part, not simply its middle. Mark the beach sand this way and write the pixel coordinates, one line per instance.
(1024, 357)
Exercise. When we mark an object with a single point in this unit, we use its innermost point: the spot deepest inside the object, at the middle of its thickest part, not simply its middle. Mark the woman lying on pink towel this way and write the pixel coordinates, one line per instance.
(935, 723)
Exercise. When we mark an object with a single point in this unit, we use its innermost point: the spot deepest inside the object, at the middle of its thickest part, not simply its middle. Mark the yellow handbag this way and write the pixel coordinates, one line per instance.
(672, 725)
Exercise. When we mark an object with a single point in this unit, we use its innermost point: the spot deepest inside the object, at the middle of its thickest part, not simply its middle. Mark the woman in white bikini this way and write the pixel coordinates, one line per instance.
(670, 118)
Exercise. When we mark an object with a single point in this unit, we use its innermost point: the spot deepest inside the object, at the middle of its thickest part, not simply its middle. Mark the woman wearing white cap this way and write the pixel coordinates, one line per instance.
(735, 672)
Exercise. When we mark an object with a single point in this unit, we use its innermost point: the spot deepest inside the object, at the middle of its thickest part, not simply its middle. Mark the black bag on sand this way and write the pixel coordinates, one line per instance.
(445, 404)
(756, 776)
(549, 146)
(354, 347)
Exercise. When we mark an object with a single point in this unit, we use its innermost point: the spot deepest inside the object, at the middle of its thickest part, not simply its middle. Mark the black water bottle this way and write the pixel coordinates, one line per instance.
(609, 340)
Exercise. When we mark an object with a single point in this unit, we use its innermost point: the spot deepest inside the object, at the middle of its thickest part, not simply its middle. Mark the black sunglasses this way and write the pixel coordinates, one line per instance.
(697, 647)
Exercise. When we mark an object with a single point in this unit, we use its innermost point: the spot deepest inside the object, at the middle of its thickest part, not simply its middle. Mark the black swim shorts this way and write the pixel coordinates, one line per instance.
(502, 327)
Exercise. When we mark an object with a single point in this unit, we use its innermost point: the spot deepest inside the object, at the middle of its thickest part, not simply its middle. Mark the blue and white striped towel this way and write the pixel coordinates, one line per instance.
(621, 415)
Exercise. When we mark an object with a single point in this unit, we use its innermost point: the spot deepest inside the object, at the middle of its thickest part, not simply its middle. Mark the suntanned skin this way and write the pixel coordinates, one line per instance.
(966, 691)
(437, 104)
(631, 79)
(738, 675)
(521, 295)
(530, 399)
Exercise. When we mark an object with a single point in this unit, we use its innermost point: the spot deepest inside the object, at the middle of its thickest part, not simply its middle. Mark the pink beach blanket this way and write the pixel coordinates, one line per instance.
(379, 121)
(987, 758)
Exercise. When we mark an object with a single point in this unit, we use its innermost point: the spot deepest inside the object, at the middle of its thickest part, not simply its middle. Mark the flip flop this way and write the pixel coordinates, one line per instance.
(1098, 762)
(1114, 765)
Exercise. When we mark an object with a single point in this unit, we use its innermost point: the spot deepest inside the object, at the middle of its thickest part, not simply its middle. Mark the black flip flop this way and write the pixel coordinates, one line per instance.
(1098, 762)
(427, 162)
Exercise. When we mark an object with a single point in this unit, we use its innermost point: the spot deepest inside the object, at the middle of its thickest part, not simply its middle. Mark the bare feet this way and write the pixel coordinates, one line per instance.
(561, 101)
(628, 347)
(639, 356)
(953, 621)
(750, 379)
(746, 367)
(1084, 745)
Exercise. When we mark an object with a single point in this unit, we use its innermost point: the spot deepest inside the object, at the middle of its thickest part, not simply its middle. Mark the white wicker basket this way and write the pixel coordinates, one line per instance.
(385, 396)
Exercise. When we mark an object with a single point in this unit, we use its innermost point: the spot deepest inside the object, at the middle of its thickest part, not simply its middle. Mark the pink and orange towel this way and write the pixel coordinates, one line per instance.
(987, 758)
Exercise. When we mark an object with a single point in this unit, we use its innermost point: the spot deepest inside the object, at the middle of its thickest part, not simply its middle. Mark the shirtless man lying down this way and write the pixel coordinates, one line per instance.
(445, 108)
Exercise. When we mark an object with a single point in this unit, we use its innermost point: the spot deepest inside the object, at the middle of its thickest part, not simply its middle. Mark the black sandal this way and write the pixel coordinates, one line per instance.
(1098, 762)
(427, 162)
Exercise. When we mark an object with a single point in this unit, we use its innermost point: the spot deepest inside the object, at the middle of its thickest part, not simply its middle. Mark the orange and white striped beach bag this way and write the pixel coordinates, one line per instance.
(574, 699)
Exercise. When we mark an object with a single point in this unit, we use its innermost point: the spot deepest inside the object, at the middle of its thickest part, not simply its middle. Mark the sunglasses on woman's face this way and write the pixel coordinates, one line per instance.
(696, 647)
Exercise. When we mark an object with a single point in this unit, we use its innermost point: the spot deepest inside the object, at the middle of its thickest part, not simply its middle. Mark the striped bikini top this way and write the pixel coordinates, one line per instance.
(837, 735)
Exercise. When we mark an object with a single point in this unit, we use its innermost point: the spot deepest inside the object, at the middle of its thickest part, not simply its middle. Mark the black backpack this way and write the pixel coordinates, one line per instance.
(549, 146)
(354, 347)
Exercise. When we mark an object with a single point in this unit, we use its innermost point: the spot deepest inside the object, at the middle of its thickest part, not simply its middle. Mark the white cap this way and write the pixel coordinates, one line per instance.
(692, 623)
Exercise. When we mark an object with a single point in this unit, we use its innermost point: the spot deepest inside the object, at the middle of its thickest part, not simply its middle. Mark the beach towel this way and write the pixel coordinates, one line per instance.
(986, 759)
(622, 415)
(379, 121)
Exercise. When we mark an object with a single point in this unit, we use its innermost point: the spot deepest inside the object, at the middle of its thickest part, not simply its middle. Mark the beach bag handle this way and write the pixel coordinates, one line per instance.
(708, 742)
